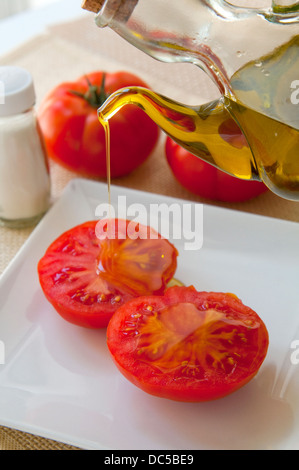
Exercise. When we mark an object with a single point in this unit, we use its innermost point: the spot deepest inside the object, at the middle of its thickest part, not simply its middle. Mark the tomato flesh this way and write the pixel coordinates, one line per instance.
(188, 345)
(86, 278)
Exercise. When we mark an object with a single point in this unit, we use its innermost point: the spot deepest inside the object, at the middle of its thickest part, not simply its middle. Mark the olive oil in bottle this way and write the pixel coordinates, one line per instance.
(251, 134)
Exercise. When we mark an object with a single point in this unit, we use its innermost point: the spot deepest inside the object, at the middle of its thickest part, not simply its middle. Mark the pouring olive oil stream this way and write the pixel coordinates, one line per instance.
(106, 126)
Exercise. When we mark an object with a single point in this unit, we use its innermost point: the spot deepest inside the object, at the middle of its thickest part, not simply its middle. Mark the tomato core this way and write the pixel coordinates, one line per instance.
(182, 336)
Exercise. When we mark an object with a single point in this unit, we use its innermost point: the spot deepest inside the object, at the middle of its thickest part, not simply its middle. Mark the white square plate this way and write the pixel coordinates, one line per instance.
(58, 380)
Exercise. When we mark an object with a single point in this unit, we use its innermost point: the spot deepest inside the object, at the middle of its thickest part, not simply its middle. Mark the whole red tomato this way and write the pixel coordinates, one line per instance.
(205, 180)
(74, 136)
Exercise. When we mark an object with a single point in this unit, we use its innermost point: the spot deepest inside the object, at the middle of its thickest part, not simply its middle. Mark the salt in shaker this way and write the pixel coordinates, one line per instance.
(24, 173)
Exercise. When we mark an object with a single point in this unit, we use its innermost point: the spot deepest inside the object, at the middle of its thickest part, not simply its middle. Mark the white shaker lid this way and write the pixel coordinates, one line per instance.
(17, 93)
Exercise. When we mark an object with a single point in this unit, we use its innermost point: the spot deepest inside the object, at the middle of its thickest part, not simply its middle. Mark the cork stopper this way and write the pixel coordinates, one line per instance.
(93, 5)
(119, 10)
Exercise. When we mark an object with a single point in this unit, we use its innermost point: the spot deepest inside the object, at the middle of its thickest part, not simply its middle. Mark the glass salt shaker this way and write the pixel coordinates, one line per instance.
(24, 173)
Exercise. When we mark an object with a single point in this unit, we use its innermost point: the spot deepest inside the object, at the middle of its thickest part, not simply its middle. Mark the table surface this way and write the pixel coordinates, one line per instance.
(62, 35)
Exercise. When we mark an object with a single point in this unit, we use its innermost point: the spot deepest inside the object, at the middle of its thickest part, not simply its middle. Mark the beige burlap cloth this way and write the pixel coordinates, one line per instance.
(70, 50)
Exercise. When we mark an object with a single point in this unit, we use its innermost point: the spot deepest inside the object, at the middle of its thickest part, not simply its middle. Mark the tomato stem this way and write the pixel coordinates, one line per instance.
(95, 95)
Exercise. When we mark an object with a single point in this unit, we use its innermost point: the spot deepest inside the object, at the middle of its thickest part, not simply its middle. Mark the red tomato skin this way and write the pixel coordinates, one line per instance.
(75, 139)
(204, 180)
(149, 379)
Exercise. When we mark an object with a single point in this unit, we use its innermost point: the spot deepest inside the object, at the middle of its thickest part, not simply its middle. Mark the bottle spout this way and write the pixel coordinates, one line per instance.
(170, 116)
(207, 131)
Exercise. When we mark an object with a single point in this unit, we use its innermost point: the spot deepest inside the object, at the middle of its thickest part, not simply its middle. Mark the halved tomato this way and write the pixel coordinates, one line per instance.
(187, 345)
(86, 277)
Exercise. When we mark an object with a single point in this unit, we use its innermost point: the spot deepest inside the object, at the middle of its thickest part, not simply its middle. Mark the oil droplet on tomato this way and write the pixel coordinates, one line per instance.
(175, 282)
